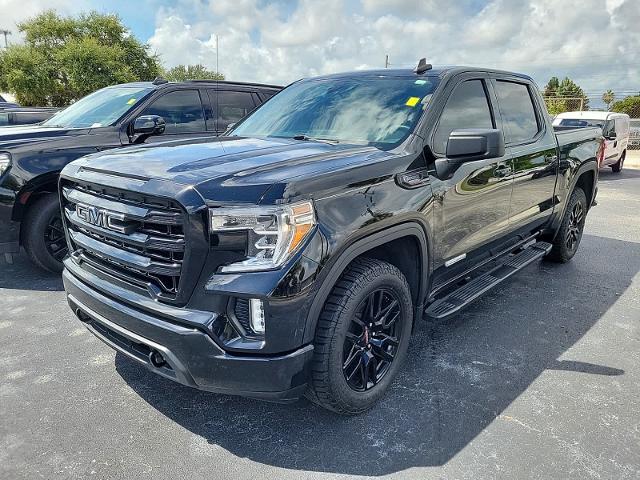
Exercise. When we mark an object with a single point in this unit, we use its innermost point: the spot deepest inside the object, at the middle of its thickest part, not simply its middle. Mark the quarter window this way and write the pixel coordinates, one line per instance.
(467, 107)
(181, 110)
(518, 113)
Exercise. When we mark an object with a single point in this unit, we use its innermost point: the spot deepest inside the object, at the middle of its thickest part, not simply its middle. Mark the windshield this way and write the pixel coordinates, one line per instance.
(582, 122)
(373, 110)
(99, 109)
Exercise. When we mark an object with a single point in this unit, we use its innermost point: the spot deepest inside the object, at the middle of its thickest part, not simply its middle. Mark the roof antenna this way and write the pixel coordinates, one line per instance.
(423, 66)
(159, 81)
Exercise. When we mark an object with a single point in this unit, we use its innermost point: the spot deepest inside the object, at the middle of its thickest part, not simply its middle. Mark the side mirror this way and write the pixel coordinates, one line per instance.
(611, 136)
(149, 125)
(468, 145)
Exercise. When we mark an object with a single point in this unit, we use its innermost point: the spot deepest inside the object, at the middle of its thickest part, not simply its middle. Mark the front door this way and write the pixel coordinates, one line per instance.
(473, 206)
(610, 142)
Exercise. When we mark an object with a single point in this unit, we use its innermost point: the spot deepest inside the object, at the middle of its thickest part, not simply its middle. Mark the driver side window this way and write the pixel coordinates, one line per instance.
(181, 110)
(467, 107)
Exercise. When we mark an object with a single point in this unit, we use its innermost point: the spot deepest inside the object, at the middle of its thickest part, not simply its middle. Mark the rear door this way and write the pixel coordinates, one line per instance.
(474, 203)
(622, 133)
(183, 112)
(531, 147)
(230, 106)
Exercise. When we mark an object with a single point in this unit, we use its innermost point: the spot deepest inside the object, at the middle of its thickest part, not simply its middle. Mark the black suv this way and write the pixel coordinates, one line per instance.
(31, 157)
(295, 255)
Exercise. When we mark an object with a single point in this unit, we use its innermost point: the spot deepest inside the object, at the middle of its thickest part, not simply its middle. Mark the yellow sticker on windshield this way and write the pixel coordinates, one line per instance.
(412, 102)
(131, 101)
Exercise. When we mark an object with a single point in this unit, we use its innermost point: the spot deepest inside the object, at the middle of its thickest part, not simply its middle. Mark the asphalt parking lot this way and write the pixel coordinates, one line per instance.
(539, 379)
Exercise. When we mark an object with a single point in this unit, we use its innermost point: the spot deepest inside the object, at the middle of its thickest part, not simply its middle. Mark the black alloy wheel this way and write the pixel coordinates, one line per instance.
(372, 340)
(54, 240)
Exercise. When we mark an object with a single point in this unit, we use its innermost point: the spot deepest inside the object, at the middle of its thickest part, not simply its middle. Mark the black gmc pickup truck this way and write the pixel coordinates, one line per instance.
(294, 255)
(31, 157)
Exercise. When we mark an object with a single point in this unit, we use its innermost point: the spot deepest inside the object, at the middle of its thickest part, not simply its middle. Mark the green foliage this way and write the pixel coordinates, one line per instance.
(629, 105)
(65, 58)
(564, 96)
(180, 73)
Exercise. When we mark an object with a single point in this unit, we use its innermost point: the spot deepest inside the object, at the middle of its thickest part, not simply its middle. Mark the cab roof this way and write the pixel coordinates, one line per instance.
(192, 82)
(435, 71)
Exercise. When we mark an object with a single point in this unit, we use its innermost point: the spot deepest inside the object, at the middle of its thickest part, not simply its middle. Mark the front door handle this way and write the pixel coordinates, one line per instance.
(413, 179)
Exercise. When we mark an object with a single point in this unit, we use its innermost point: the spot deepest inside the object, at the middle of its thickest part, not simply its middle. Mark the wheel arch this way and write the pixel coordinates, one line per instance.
(30, 193)
(380, 245)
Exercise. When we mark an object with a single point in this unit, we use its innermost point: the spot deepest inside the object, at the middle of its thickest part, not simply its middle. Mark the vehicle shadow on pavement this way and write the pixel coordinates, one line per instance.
(23, 275)
(460, 376)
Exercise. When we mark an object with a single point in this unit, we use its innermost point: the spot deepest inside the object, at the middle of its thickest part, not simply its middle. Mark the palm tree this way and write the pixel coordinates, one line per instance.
(608, 97)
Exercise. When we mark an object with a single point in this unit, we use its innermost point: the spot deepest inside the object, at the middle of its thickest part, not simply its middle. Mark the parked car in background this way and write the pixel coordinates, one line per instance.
(4, 103)
(294, 255)
(25, 115)
(615, 129)
(31, 157)
(634, 134)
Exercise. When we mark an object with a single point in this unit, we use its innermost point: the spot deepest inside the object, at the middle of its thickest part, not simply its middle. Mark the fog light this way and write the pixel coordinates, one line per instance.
(256, 315)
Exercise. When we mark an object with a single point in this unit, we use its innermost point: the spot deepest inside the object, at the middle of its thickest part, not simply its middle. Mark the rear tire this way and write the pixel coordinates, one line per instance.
(43, 237)
(356, 357)
(617, 167)
(567, 240)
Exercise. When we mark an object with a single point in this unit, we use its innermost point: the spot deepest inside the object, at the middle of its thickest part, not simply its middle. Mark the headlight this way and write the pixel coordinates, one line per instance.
(5, 160)
(273, 233)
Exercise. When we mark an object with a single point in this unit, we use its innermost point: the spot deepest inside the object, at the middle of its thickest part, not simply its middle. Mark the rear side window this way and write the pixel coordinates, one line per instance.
(181, 110)
(467, 107)
(4, 119)
(518, 113)
(231, 107)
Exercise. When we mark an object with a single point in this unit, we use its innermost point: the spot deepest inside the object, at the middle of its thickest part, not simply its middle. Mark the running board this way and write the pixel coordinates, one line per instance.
(467, 293)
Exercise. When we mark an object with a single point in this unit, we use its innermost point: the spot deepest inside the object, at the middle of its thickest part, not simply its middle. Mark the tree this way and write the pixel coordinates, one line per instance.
(180, 73)
(608, 97)
(65, 58)
(629, 105)
(564, 96)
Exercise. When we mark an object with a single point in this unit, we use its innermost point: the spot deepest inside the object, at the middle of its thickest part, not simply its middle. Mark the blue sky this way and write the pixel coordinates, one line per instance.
(596, 42)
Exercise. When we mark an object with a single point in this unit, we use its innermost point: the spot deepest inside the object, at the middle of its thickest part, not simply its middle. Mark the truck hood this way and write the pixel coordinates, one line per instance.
(20, 135)
(219, 169)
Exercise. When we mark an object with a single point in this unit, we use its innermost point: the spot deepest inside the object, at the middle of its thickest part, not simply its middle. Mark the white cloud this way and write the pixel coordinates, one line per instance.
(597, 42)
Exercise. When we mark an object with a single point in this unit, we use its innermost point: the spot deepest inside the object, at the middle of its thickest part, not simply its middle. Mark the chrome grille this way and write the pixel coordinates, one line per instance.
(131, 236)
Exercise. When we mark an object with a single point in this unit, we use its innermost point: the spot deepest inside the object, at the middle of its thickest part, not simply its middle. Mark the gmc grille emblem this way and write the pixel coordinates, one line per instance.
(100, 217)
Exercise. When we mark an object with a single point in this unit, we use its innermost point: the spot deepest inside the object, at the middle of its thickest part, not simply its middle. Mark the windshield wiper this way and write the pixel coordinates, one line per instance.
(305, 137)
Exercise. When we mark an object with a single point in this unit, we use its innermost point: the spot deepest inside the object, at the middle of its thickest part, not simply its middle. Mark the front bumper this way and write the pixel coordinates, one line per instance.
(190, 355)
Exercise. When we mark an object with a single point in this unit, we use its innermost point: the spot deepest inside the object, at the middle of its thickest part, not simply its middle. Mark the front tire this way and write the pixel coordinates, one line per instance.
(43, 237)
(617, 167)
(361, 338)
(567, 240)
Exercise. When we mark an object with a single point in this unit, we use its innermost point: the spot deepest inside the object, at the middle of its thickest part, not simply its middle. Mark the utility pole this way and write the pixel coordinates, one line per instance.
(386, 61)
(5, 33)
(217, 53)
